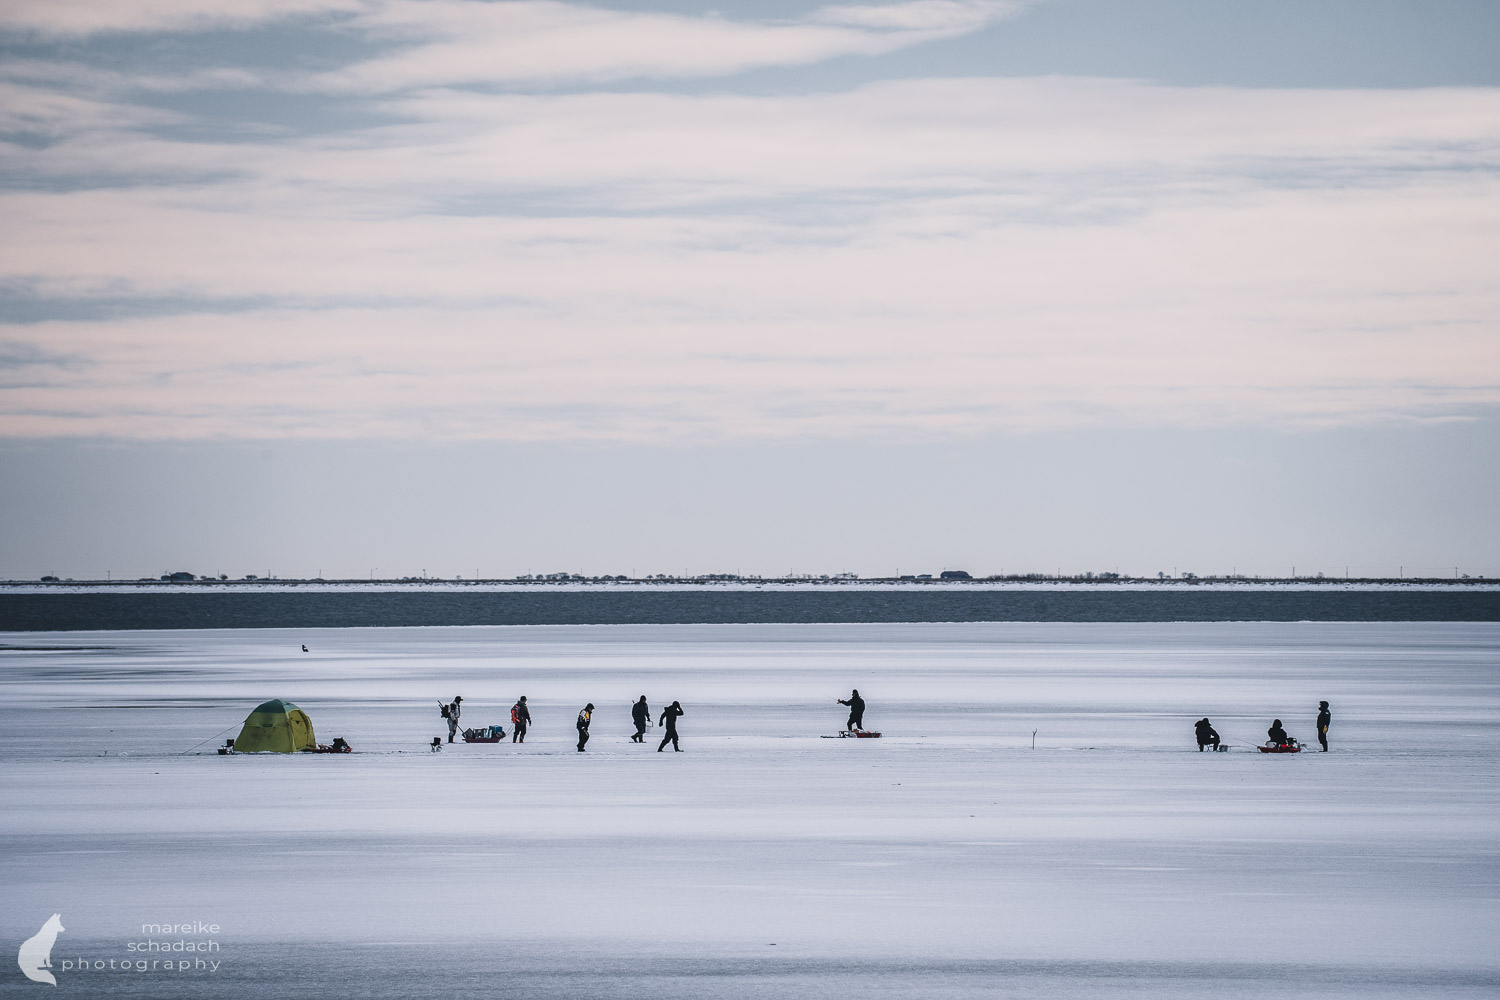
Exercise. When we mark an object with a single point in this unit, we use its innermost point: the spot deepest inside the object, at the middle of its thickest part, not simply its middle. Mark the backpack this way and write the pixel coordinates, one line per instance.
(515, 714)
(443, 707)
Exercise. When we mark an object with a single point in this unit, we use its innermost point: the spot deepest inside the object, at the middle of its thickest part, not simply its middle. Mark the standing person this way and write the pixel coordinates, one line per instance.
(452, 710)
(584, 718)
(856, 711)
(1277, 735)
(1207, 735)
(669, 719)
(520, 719)
(641, 713)
(1324, 718)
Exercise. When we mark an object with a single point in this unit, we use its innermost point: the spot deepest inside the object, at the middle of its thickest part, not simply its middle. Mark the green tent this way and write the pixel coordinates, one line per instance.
(277, 726)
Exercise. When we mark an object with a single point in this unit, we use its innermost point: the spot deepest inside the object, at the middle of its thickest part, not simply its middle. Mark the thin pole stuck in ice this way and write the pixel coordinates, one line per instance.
(201, 742)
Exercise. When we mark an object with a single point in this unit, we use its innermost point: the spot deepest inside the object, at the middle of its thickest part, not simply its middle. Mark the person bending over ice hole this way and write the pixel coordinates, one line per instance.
(1324, 718)
(1277, 735)
(640, 712)
(583, 725)
(1207, 736)
(856, 711)
(520, 718)
(669, 719)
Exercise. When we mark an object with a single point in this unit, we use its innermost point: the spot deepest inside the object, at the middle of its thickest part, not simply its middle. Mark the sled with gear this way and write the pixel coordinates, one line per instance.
(1291, 746)
(859, 734)
(488, 734)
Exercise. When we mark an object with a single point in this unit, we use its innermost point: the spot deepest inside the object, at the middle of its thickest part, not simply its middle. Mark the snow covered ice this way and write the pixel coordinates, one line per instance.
(948, 858)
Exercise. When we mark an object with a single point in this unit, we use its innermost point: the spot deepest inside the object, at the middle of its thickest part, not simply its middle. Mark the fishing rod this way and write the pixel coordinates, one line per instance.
(201, 742)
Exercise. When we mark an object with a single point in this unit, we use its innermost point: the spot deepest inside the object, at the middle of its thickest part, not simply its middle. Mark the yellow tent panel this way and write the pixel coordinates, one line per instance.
(277, 726)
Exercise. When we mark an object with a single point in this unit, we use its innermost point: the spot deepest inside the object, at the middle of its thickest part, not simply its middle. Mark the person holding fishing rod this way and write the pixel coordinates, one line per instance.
(856, 711)
(450, 713)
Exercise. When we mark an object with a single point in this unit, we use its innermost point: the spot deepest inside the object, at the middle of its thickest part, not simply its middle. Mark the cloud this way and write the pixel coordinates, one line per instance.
(1280, 308)
(76, 18)
(955, 16)
(1060, 147)
(912, 257)
(448, 42)
(45, 113)
(1016, 331)
(539, 41)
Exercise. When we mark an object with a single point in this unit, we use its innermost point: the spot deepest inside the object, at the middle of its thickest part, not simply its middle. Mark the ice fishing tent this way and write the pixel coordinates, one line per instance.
(278, 726)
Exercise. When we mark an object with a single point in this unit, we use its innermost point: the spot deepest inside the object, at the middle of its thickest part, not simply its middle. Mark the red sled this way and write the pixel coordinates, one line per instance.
(1283, 748)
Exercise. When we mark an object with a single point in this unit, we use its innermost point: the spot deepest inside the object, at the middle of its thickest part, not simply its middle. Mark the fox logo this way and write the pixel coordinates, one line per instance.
(36, 951)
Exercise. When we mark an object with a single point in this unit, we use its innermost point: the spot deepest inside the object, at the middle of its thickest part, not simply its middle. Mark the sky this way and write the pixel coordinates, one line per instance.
(354, 287)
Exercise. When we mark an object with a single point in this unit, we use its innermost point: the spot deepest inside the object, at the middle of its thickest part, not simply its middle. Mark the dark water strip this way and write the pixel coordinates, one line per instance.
(401, 970)
(310, 609)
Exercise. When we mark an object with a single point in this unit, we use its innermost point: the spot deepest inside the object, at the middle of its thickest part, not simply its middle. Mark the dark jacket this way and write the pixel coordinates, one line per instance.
(856, 705)
(669, 717)
(1206, 732)
(640, 712)
(1278, 735)
(1324, 718)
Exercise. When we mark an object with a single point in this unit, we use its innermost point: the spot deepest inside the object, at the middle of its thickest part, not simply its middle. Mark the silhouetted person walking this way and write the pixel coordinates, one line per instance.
(640, 712)
(669, 718)
(1207, 736)
(1324, 718)
(520, 719)
(1277, 735)
(856, 711)
(583, 725)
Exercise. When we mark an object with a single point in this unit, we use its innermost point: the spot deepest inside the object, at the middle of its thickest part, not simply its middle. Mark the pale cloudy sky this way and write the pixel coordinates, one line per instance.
(531, 247)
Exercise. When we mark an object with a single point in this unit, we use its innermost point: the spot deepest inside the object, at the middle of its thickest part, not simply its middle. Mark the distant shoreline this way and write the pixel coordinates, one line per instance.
(790, 584)
(329, 605)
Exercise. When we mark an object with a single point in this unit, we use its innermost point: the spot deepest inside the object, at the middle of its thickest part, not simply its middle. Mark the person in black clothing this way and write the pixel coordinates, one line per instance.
(584, 717)
(1324, 718)
(856, 710)
(1207, 736)
(1277, 735)
(669, 719)
(520, 719)
(641, 713)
